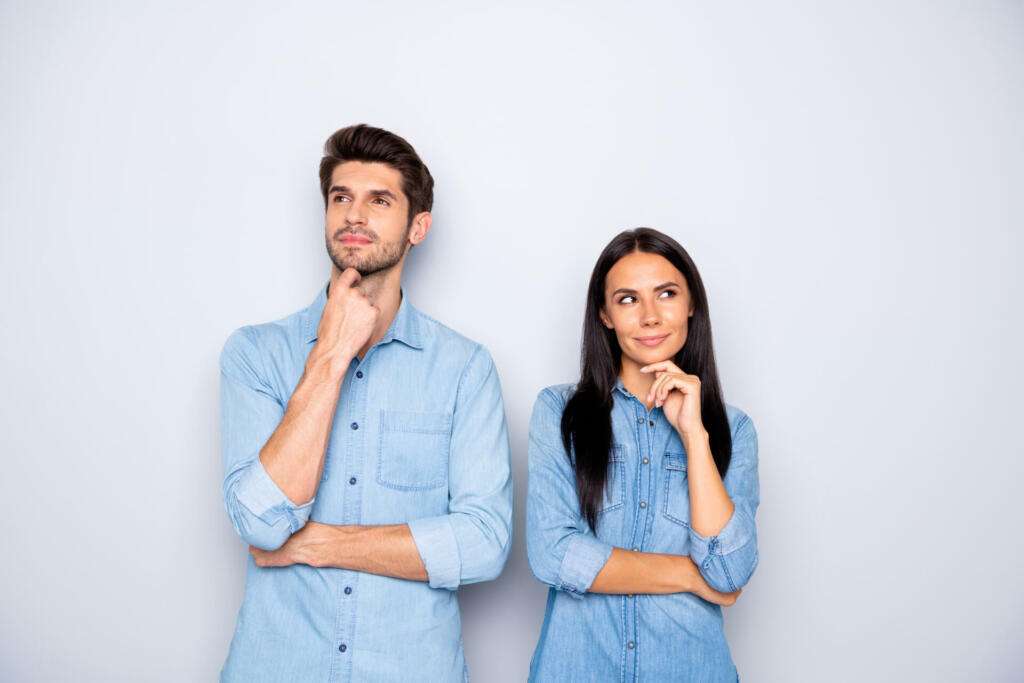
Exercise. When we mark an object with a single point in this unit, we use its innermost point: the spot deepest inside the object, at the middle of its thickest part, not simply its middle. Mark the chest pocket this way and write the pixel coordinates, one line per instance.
(677, 490)
(413, 453)
(615, 486)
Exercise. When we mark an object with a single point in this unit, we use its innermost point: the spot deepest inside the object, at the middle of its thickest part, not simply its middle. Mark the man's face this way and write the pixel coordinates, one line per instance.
(367, 223)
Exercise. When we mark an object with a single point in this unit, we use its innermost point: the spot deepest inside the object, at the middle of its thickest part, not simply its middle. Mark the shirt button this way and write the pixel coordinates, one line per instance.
(354, 425)
(635, 549)
(352, 481)
(630, 645)
(652, 423)
(359, 374)
(640, 420)
(646, 460)
(348, 590)
(630, 595)
(342, 648)
(643, 504)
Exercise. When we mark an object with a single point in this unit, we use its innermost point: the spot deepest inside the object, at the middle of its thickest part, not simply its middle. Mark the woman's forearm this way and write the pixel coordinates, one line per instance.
(710, 505)
(629, 572)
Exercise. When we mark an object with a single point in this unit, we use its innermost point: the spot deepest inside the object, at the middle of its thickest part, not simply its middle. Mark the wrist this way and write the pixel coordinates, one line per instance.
(334, 548)
(328, 363)
(694, 439)
(685, 571)
(323, 549)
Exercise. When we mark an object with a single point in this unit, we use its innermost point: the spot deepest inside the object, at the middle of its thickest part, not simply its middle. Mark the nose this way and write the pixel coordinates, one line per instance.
(649, 315)
(355, 214)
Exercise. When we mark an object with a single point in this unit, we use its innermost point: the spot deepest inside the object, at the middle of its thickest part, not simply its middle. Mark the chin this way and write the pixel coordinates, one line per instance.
(647, 356)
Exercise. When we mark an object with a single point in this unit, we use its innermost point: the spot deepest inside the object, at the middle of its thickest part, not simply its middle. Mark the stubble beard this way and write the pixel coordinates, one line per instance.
(375, 257)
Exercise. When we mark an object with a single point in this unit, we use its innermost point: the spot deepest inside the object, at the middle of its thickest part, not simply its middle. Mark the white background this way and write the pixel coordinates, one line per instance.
(847, 176)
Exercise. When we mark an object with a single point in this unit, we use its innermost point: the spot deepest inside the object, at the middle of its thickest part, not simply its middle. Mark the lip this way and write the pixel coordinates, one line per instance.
(652, 340)
(353, 240)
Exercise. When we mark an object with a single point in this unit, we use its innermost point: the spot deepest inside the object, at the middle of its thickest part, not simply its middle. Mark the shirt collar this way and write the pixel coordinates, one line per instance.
(621, 387)
(404, 328)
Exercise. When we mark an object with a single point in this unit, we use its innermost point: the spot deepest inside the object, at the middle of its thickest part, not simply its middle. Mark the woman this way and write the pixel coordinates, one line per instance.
(643, 483)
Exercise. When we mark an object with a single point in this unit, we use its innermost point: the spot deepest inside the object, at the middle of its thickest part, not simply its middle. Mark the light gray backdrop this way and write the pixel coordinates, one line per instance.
(848, 177)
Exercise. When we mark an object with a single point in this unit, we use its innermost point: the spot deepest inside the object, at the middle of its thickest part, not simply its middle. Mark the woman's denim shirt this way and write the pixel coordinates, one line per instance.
(599, 637)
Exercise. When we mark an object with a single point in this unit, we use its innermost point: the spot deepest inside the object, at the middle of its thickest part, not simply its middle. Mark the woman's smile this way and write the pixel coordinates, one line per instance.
(652, 340)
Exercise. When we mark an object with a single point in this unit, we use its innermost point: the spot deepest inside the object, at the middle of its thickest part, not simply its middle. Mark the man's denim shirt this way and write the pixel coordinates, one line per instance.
(419, 437)
(599, 637)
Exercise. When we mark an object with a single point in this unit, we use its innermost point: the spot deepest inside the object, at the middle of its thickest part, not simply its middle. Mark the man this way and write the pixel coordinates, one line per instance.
(365, 451)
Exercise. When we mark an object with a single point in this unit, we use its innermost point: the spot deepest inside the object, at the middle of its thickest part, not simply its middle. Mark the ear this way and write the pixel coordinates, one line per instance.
(606, 320)
(691, 308)
(420, 227)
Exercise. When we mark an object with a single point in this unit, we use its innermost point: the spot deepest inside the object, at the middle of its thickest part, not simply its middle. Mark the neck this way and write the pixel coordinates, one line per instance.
(384, 289)
(636, 382)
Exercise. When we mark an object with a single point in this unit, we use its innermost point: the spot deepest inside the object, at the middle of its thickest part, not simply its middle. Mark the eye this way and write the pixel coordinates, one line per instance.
(627, 299)
(382, 202)
(338, 198)
(666, 294)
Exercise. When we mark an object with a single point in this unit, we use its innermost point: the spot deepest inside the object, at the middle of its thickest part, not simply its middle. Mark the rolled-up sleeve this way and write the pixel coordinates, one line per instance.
(250, 412)
(728, 559)
(562, 550)
(471, 543)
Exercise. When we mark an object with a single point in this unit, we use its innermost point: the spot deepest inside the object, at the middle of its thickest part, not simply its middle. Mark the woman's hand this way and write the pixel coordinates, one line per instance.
(699, 587)
(678, 394)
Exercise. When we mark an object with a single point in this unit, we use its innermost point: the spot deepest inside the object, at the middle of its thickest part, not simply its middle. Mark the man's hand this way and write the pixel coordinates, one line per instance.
(348, 318)
(309, 545)
(387, 550)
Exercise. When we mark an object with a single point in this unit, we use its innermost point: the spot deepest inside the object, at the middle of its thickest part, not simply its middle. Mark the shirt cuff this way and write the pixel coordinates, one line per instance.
(584, 557)
(262, 497)
(736, 533)
(439, 550)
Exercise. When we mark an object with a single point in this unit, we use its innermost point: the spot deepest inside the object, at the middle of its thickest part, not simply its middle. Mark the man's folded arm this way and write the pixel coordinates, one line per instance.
(468, 544)
(250, 412)
(471, 543)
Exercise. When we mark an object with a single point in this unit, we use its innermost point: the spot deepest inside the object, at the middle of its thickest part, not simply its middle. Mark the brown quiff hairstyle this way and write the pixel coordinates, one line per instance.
(366, 143)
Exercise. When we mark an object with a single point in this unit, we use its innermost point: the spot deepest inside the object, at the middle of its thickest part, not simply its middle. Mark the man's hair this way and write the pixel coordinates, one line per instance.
(366, 143)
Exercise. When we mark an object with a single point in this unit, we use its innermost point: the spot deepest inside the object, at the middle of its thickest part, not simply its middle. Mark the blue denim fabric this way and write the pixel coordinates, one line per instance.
(419, 437)
(597, 637)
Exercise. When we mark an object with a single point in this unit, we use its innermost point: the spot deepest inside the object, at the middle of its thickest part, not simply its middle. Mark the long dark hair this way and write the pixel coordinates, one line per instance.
(587, 420)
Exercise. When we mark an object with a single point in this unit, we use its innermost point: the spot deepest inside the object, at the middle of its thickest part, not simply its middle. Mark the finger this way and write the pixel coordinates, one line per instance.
(349, 278)
(660, 388)
(662, 366)
(653, 392)
(665, 389)
(658, 391)
(687, 384)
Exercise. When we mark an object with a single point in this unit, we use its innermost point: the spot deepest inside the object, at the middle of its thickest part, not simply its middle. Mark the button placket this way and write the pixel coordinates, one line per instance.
(355, 395)
(644, 439)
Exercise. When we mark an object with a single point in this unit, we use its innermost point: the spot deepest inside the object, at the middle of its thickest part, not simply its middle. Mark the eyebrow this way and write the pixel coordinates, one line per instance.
(664, 285)
(375, 193)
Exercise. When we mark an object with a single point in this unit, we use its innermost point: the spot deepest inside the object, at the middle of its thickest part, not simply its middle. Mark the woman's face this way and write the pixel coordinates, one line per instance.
(648, 305)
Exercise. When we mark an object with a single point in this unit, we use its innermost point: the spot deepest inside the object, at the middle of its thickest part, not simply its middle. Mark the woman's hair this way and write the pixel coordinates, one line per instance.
(586, 421)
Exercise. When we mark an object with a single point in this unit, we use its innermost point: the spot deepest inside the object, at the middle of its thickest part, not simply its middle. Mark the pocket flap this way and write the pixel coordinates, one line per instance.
(675, 461)
(416, 423)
